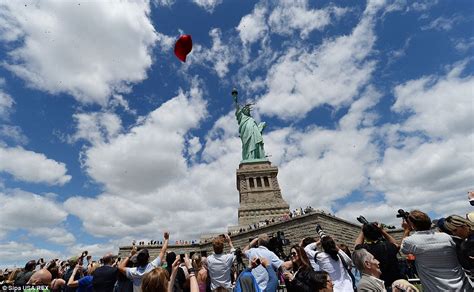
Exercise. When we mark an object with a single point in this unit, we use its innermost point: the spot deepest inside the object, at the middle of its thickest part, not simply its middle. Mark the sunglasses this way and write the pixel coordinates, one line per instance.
(293, 254)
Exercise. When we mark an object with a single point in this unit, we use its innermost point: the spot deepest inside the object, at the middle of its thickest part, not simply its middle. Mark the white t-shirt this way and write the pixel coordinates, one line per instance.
(136, 274)
(339, 275)
(260, 273)
(219, 269)
(310, 250)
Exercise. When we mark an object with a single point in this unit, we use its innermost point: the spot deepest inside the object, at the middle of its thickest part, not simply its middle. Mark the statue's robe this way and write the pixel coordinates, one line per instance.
(251, 136)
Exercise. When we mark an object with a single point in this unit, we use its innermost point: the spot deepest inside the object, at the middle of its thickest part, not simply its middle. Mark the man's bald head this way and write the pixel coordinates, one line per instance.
(41, 277)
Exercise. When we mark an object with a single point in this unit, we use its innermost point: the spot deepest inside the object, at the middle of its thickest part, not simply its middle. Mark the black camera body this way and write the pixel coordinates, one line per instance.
(403, 214)
(238, 256)
(320, 231)
(362, 220)
(276, 243)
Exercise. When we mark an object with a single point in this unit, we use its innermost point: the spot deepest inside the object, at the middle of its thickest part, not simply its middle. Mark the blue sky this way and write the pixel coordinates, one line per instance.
(105, 136)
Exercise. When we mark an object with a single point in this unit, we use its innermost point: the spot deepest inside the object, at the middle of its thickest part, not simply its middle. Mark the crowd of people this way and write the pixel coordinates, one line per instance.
(439, 257)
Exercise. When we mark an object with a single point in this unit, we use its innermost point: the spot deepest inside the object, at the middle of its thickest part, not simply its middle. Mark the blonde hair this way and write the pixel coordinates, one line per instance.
(12, 276)
(197, 261)
(155, 281)
(454, 221)
(92, 268)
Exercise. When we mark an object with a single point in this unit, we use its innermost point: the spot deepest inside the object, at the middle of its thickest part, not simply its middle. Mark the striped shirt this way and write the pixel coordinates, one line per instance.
(436, 261)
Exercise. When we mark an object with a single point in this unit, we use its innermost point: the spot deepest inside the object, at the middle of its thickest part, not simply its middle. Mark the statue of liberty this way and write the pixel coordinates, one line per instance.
(250, 132)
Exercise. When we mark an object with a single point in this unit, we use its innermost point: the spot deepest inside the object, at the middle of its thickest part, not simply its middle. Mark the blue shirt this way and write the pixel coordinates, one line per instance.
(260, 273)
(85, 284)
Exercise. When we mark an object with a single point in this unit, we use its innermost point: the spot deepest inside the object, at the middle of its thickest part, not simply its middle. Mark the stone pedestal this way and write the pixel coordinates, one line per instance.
(259, 193)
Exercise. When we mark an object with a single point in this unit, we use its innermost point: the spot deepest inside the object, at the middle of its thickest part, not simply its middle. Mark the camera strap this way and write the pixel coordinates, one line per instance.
(348, 271)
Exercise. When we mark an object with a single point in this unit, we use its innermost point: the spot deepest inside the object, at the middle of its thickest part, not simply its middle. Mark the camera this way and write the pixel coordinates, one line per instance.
(320, 231)
(362, 220)
(181, 258)
(403, 214)
(276, 243)
(238, 255)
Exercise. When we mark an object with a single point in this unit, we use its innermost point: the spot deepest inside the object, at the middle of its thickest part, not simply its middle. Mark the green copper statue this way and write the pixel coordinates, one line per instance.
(250, 133)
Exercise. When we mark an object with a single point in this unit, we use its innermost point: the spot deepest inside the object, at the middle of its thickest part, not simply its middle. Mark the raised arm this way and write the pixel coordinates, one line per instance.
(229, 241)
(71, 282)
(248, 246)
(406, 231)
(360, 239)
(389, 238)
(174, 271)
(192, 274)
(122, 267)
(166, 235)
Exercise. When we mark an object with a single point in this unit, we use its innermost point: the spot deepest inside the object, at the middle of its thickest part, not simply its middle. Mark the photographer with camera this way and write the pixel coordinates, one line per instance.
(220, 264)
(143, 265)
(382, 246)
(73, 262)
(435, 252)
(262, 251)
(332, 260)
(84, 284)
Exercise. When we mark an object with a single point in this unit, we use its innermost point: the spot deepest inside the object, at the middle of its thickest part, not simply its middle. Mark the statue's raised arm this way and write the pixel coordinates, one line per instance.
(250, 132)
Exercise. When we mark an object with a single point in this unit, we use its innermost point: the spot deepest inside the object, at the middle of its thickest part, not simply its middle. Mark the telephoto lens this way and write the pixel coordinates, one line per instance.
(362, 220)
(403, 214)
(320, 231)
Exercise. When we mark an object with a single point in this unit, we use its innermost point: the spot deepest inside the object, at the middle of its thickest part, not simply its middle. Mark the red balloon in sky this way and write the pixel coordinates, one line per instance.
(183, 47)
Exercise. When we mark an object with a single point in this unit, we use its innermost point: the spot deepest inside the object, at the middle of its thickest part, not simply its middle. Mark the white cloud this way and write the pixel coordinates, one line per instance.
(463, 45)
(34, 167)
(298, 82)
(328, 165)
(150, 155)
(434, 170)
(284, 18)
(98, 250)
(193, 147)
(165, 42)
(14, 133)
(54, 234)
(208, 5)
(406, 6)
(291, 15)
(166, 3)
(252, 27)
(28, 211)
(431, 170)
(219, 55)
(6, 104)
(118, 100)
(96, 127)
(62, 53)
(379, 212)
(443, 23)
(439, 106)
(16, 253)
